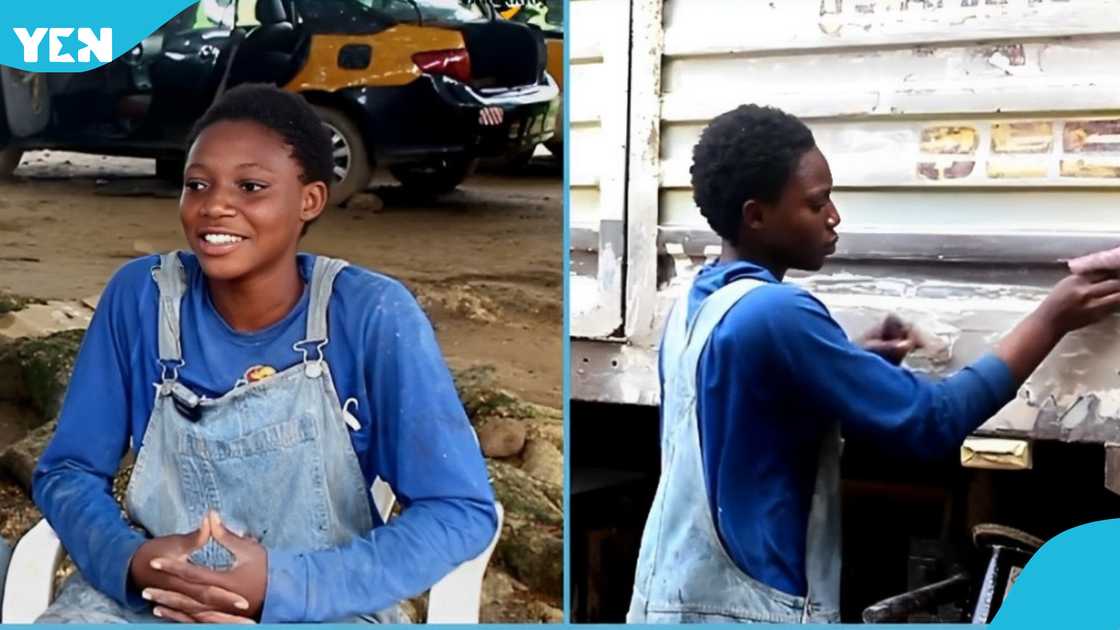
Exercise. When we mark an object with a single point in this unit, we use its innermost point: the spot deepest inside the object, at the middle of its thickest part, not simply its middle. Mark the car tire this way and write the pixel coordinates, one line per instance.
(9, 160)
(436, 177)
(171, 169)
(352, 165)
(520, 161)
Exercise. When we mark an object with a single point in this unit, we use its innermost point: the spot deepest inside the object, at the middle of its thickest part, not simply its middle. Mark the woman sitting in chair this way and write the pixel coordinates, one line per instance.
(262, 392)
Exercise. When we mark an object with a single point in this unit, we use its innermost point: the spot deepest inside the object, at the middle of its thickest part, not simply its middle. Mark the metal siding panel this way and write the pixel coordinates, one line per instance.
(644, 177)
(912, 106)
(997, 153)
(598, 96)
(922, 210)
(725, 27)
(1023, 76)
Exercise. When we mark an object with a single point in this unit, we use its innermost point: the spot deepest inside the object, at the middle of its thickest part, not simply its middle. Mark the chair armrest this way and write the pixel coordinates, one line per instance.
(28, 589)
(457, 597)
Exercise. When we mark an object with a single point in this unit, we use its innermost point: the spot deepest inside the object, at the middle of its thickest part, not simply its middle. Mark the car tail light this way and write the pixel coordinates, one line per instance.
(450, 63)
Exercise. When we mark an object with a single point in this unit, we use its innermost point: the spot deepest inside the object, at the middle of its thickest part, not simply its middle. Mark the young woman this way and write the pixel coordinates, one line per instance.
(262, 391)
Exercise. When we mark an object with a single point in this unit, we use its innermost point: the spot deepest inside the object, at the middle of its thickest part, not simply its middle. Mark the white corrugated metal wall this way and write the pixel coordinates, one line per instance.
(598, 78)
(1024, 127)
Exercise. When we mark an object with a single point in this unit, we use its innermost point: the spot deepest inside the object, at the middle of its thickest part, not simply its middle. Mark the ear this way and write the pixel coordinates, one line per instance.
(315, 197)
(753, 214)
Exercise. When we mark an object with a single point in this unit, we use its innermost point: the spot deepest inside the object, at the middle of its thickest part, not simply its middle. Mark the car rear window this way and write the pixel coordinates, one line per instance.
(431, 11)
(548, 15)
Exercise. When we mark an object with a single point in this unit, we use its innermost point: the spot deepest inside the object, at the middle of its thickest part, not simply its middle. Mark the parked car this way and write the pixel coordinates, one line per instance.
(422, 87)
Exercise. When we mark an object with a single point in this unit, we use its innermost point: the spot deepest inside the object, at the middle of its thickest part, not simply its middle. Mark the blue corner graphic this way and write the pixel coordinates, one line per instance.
(77, 35)
(1071, 582)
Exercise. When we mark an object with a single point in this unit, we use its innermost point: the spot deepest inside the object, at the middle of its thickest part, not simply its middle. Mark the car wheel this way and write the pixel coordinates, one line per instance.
(351, 160)
(519, 161)
(435, 177)
(9, 160)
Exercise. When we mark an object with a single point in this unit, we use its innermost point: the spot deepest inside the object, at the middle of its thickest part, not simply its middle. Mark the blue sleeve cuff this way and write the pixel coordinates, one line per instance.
(997, 376)
(119, 565)
(285, 598)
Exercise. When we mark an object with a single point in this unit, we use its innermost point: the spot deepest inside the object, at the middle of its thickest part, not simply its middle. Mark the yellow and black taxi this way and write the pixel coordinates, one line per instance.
(421, 87)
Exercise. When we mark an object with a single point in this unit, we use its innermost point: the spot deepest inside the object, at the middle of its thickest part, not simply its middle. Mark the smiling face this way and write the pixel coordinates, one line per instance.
(798, 230)
(244, 203)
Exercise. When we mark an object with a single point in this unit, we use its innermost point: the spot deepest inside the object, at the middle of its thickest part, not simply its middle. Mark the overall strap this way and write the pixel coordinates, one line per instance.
(322, 284)
(711, 312)
(676, 329)
(171, 279)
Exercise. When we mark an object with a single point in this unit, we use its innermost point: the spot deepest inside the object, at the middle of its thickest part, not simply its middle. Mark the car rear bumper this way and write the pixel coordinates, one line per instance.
(437, 116)
(509, 120)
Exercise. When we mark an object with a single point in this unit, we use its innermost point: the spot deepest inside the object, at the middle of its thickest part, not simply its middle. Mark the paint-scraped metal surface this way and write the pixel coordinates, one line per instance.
(1073, 396)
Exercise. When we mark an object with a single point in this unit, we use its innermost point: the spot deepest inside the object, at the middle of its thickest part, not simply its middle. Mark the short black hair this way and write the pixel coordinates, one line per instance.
(283, 112)
(746, 153)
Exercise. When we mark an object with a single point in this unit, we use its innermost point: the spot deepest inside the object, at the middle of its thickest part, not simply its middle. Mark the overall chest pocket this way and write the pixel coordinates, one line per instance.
(254, 443)
(267, 483)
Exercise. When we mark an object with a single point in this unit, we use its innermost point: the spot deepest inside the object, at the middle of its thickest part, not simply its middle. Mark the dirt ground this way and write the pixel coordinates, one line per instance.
(485, 261)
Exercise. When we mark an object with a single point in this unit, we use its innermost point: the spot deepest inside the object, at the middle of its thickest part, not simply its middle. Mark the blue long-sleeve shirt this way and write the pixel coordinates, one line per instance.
(774, 372)
(414, 434)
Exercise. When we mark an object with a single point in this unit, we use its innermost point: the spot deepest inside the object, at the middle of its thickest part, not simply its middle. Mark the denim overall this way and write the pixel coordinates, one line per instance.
(273, 457)
(684, 573)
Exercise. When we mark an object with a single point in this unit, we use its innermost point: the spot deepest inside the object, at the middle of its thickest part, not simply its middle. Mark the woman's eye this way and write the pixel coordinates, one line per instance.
(193, 185)
(252, 187)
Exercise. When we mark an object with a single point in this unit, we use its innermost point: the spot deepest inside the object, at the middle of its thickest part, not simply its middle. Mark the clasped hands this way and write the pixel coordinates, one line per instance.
(185, 592)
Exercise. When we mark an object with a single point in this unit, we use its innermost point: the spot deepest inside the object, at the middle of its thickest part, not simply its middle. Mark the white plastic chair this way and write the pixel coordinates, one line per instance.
(29, 587)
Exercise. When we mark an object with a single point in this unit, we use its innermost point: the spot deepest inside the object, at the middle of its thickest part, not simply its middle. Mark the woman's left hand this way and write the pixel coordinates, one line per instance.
(247, 577)
(892, 339)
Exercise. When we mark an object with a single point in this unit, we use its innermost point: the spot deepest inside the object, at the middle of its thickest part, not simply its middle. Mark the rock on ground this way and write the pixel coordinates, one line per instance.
(525, 496)
(38, 320)
(482, 399)
(531, 546)
(505, 600)
(549, 429)
(545, 613)
(17, 513)
(39, 369)
(366, 202)
(9, 303)
(35, 371)
(543, 461)
(19, 459)
(534, 554)
(501, 437)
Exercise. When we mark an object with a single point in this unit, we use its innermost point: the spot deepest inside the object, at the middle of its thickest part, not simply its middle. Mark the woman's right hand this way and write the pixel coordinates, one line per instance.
(1077, 301)
(191, 598)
